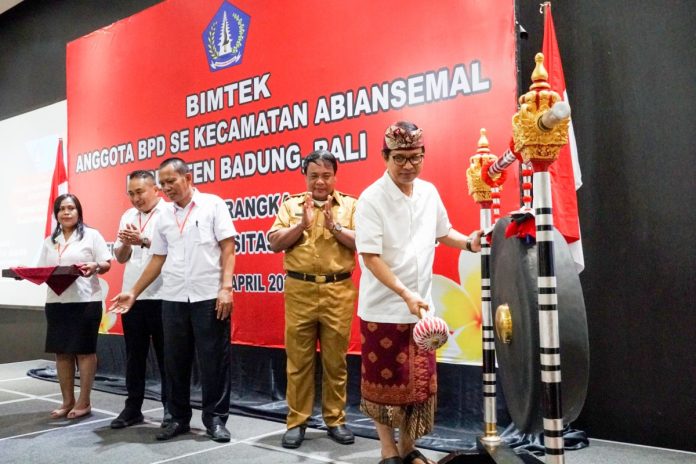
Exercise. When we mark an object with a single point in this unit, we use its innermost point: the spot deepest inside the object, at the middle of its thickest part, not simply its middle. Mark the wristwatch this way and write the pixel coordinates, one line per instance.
(337, 227)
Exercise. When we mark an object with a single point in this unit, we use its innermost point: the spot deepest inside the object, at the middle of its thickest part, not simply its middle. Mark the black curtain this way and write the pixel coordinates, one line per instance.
(630, 71)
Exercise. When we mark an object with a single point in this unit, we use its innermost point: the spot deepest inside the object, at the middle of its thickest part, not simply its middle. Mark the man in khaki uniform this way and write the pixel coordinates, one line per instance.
(316, 231)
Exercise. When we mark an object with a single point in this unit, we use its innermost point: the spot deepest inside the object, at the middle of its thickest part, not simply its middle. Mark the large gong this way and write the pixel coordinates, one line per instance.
(514, 283)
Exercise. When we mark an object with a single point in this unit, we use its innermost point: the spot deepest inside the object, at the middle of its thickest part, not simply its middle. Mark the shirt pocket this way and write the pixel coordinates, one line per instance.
(295, 217)
(86, 254)
(137, 254)
(342, 216)
(203, 230)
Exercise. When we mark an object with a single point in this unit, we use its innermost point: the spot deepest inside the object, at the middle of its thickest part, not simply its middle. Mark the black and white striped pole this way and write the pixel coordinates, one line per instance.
(540, 129)
(482, 195)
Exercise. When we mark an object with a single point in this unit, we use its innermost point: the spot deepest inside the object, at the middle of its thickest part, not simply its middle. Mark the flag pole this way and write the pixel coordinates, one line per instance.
(565, 203)
(59, 186)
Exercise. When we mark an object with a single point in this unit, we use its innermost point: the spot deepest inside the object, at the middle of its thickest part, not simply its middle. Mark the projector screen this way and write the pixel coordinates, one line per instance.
(28, 153)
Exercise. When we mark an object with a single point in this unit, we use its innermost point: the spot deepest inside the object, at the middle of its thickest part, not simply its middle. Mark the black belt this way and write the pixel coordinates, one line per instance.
(319, 279)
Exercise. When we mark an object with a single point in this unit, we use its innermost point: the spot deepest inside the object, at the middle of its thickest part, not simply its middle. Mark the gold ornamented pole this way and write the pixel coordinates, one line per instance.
(540, 129)
(481, 192)
(540, 126)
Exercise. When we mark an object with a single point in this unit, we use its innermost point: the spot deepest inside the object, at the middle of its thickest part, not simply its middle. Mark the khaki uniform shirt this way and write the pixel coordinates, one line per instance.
(317, 252)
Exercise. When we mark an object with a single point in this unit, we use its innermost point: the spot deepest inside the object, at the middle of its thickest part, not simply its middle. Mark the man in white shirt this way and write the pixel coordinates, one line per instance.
(398, 221)
(144, 320)
(193, 248)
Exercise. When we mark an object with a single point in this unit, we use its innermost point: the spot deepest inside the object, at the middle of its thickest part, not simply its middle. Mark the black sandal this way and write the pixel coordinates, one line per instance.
(413, 455)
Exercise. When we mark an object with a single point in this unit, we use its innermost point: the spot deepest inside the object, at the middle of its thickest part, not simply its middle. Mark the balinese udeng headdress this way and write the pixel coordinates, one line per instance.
(396, 137)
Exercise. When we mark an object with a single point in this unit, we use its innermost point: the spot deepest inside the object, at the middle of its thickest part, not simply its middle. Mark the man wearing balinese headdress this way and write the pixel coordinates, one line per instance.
(399, 219)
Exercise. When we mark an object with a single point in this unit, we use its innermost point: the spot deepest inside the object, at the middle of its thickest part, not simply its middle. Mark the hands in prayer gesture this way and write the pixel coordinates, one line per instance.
(308, 212)
(130, 235)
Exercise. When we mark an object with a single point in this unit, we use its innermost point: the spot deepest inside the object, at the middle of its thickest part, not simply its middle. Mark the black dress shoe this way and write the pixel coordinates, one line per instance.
(218, 433)
(166, 419)
(127, 418)
(172, 430)
(341, 434)
(294, 437)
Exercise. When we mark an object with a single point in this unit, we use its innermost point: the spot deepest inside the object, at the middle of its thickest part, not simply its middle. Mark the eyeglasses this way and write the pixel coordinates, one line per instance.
(415, 160)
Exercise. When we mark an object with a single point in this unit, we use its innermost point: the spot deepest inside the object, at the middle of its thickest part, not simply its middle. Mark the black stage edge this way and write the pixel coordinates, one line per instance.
(258, 390)
(23, 333)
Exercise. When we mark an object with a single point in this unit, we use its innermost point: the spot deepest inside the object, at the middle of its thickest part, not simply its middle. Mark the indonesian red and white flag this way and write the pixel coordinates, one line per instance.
(565, 172)
(59, 186)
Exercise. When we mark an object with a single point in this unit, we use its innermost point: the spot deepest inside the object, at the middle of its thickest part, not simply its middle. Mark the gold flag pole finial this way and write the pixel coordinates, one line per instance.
(540, 76)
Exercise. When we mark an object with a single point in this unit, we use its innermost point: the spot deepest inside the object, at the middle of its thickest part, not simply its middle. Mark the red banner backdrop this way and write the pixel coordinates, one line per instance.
(242, 90)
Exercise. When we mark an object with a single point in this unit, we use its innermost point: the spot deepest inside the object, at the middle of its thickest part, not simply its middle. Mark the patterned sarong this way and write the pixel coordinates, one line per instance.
(398, 379)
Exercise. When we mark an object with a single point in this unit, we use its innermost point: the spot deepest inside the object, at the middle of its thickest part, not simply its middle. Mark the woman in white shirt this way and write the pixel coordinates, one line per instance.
(73, 317)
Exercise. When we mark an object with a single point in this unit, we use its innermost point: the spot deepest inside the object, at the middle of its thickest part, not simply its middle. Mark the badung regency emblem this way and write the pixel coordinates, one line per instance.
(225, 37)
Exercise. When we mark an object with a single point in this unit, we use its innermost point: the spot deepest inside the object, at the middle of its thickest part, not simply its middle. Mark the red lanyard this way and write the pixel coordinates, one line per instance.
(60, 253)
(182, 225)
(142, 226)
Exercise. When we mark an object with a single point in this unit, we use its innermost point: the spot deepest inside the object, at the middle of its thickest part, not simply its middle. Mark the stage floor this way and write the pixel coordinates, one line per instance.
(29, 435)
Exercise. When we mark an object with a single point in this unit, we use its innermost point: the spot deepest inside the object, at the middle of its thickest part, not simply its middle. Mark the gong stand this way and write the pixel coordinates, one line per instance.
(484, 182)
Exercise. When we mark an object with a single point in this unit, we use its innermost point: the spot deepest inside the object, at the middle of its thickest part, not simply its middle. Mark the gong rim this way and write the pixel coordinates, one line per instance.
(514, 282)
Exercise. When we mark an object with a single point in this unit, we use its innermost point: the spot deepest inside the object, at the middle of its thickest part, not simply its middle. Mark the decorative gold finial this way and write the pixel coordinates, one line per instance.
(483, 142)
(534, 144)
(540, 77)
(478, 188)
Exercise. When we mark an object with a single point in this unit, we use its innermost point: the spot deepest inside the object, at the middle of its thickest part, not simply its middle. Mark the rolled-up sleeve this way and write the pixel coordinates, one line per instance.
(101, 250)
(282, 219)
(443, 224)
(159, 245)
(224, 227)
(43, 261)
(369, 229)
(121, 225)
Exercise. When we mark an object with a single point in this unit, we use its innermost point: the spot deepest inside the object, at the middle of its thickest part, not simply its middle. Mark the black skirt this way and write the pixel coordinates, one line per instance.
(73, 327)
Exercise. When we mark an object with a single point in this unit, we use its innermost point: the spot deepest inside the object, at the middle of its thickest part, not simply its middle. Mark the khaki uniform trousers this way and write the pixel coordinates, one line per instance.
(323, 312)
